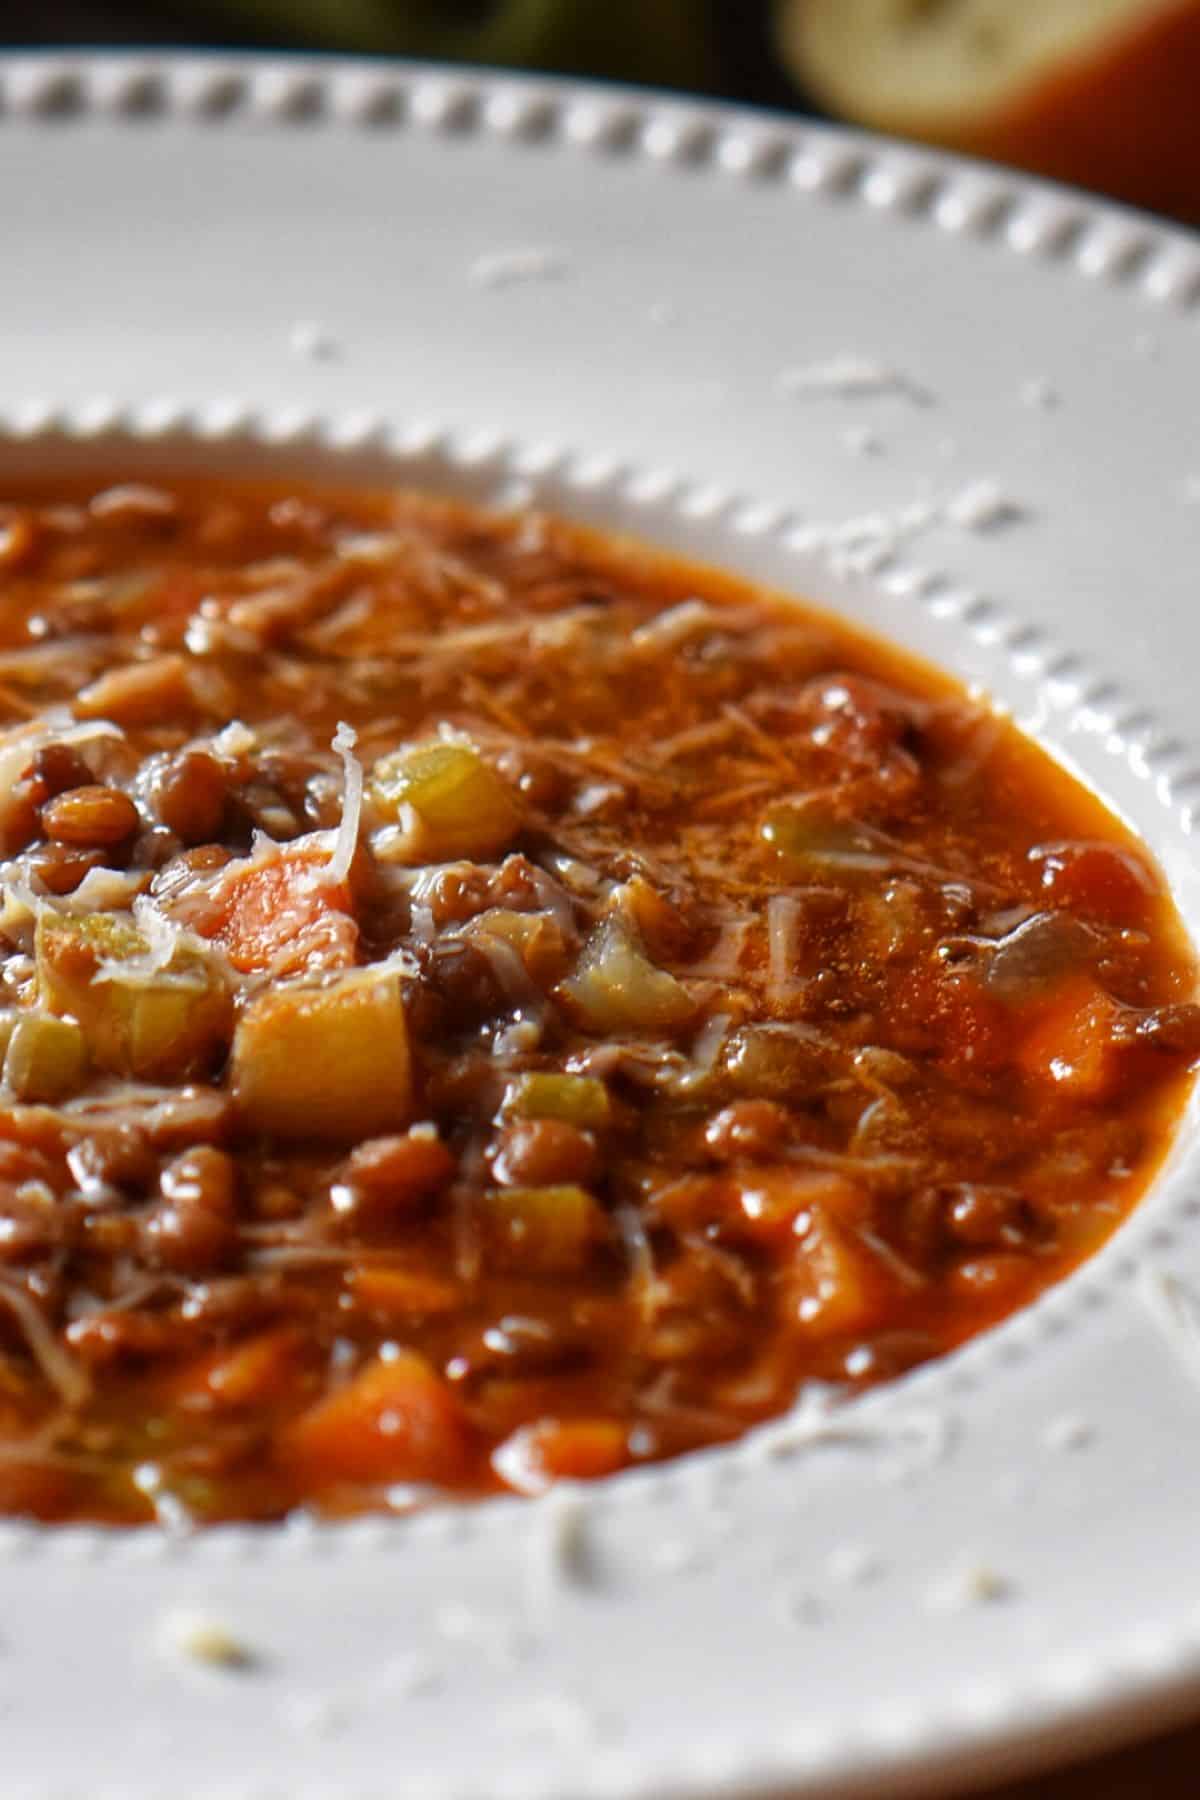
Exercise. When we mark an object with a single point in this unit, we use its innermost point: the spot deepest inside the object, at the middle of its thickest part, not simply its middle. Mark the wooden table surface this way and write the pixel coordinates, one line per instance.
(1166, 1768)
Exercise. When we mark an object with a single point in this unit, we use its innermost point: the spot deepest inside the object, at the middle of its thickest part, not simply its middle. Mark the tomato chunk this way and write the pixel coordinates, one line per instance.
(1101, 881)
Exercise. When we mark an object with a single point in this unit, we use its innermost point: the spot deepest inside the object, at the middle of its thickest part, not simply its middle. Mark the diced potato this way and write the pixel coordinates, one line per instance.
(539, 1230)
(46, 1058)
(449, 802)
(396, 1420)
(160, 1026)
(578, 1100)
(402, 1293)
(325, 1063)
(838, 1285)
(617, 988)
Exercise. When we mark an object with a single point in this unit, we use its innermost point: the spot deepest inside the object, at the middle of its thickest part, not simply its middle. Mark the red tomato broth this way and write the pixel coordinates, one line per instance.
(706, 999)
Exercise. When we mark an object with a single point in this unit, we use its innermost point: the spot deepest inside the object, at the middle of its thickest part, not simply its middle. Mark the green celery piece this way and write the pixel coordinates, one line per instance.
(617, 988)
(574, 1099)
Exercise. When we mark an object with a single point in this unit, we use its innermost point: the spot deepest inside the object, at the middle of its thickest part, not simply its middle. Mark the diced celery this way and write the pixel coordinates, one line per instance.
(617, 988)
(656, 921)
(158, 1025)
(575, 1099)
(448, 800)
(327, 1063)
(807, 835)
(539, 1230)
(778, 1060)
(46, 1058)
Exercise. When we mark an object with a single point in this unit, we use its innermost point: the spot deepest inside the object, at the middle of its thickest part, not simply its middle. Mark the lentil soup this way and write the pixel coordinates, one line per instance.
(484, 1003)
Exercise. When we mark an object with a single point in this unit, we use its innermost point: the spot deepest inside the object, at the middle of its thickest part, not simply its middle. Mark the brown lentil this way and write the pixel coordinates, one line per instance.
(544, 1153)
(90, 816)
(194, 1229)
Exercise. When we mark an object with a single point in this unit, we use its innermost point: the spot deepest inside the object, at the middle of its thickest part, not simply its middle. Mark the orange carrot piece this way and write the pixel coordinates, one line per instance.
(837, 1284)
(402, 1293)
(281, 915)
(1072, 1048)
(252, 1373)
(396, 1420)
(259, 1370)
(550, 1450)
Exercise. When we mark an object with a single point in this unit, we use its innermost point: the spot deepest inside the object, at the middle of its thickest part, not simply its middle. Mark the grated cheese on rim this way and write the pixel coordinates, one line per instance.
(206, 1640)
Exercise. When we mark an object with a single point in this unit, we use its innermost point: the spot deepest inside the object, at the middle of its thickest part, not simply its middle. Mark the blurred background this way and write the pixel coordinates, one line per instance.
(1102, 93)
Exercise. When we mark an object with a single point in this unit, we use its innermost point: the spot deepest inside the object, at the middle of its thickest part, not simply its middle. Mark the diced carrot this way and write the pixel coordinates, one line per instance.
(280, 915)
(100, 1339)
(761, 1204)
(1071, 1048)
(771, 1200)
(252, 1373)
(837, 1284)
(538, 1455)
(402, 1293)
(396, 1420)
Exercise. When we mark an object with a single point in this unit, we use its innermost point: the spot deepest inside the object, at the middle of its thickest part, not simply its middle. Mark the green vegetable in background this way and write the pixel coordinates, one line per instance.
(639, 40)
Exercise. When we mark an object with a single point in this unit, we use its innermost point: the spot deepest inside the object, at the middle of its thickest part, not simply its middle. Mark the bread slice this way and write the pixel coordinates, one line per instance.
(1101, 92)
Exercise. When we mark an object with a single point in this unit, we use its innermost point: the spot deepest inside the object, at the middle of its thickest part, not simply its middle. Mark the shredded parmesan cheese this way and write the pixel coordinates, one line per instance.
(60, 1369)
(783, 917)
(164, 940)
(1175, 1309)
(854, 377)
(346, 841)
(970, 1584)
(666, 630)
(509, 268)
(983, 506)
